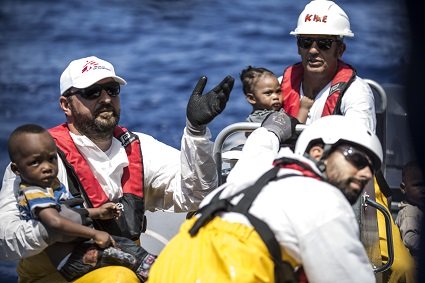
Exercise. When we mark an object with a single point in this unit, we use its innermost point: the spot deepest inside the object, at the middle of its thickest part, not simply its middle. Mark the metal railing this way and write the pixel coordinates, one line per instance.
(366, 200)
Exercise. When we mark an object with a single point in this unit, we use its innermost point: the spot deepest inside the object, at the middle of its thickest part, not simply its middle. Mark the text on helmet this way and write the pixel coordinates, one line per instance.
(315, 18)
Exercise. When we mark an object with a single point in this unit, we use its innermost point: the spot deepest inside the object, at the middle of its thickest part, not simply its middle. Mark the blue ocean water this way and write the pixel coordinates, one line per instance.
(162, 47)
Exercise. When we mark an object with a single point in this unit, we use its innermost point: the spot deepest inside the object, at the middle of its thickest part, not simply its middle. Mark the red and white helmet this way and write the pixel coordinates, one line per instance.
(323, 17)
(335, 129)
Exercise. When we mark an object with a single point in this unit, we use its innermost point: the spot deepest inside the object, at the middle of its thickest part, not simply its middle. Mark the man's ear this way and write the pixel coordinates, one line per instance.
(316, 152)
(403, 187)
(341, 50)
(15, 169)
(64, 105)
(251, 98)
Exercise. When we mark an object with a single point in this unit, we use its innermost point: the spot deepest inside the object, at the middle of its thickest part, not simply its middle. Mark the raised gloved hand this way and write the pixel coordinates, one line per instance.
(281, 124)
(202, 109)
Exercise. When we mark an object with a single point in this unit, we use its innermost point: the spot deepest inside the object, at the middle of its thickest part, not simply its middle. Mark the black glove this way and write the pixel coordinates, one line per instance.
(281, 124)
(202, 109)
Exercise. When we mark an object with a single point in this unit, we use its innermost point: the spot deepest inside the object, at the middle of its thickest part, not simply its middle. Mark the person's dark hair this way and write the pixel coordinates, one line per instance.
(24, 129)
(250, 75)
(413, 164)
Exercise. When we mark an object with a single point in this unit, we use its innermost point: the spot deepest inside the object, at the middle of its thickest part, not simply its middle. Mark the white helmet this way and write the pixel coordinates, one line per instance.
(335, 129)
(323, 17)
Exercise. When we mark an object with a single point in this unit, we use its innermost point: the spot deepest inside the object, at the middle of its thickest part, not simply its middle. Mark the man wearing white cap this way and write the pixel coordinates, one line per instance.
(101, 161)
(322, 84)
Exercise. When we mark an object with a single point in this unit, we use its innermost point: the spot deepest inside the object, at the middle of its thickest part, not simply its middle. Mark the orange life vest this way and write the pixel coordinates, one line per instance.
(91, 186)
(82, 181)
(291, 83)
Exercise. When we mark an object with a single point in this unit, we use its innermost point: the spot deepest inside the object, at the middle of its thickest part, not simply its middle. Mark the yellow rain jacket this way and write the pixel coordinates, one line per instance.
(233, 252)
(403, 267)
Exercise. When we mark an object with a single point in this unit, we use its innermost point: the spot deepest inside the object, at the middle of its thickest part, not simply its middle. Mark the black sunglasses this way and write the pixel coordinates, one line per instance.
(358, 158)
(94, 91)
(322, 43)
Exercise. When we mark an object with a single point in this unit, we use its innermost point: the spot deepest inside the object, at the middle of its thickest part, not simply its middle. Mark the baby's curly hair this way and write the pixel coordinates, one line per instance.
(250, 75)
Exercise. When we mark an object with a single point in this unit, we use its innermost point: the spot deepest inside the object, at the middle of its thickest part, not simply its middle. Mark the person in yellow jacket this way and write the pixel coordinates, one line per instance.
(294, 206)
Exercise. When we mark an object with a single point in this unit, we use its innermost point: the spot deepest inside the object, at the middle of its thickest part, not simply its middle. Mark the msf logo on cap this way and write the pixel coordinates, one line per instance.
(315, 18)
(93, 65)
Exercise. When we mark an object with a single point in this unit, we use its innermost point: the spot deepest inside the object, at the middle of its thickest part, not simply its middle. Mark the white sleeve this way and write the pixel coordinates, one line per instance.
(178, 180)
(409, 222)
(358, 102)
(330, 245)
(334, 253)
(316, 225)
(18, 238)
(258, 153)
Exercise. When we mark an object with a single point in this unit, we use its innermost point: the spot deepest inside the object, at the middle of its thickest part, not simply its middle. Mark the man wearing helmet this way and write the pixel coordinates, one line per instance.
(321, 77)
(301, 200)
(330, 86)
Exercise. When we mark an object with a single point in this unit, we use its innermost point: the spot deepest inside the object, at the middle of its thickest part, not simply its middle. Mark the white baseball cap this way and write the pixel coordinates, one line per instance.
(84, 72)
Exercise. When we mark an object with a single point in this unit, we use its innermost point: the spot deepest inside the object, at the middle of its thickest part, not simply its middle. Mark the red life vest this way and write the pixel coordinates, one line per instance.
(291, 83)
(295, 164)
(132, 179)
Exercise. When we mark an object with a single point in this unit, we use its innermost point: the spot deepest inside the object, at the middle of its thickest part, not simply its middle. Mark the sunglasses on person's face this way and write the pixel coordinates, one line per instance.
(323, 43)
(357, 158)
(95, 91)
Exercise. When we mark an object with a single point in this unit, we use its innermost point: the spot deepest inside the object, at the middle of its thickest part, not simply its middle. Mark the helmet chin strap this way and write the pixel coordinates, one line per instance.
(321, 165)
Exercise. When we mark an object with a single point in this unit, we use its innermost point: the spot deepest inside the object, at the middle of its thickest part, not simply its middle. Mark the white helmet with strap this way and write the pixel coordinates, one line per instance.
(336, 129)
(323, 17)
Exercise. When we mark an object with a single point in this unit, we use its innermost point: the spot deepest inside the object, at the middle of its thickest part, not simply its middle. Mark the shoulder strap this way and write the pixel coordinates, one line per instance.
(251, 192)
(209, 211)
(342, 87)
(283, 271)
(74, 185)
(383, 184)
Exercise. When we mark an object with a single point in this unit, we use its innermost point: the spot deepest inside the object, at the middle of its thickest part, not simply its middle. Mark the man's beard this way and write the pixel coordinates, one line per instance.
(95, 127)
(351, 194)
